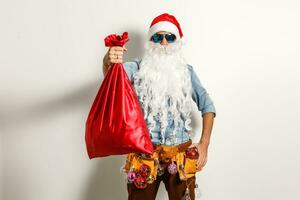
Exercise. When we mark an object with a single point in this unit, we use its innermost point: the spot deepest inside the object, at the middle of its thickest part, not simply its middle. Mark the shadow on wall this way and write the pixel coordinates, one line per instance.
(80, 98)
(135, 45)
(107, 181)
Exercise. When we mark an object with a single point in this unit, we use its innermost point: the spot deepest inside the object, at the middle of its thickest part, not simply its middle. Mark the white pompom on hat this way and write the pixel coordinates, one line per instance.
(165, 22)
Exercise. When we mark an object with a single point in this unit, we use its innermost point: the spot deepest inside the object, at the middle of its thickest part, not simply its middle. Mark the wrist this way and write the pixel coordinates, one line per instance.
(106, 65)
(204, 142)
(105, 60)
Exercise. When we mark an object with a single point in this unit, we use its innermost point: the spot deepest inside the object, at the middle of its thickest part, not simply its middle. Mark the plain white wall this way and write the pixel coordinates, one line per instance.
(246, 54)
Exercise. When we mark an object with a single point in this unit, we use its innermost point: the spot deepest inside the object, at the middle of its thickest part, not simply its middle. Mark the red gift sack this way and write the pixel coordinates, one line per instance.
(115, 124)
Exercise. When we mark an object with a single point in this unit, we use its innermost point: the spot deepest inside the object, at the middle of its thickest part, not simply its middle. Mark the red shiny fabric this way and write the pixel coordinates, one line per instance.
(115, 124)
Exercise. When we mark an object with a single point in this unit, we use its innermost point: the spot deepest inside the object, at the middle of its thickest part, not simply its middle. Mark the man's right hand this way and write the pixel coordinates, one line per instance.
(113, 55)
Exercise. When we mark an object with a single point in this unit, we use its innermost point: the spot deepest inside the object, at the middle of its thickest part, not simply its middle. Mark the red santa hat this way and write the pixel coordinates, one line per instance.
(165, 22)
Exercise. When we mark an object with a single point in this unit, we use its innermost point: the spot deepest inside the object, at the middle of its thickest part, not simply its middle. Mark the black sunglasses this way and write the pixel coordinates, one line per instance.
(158, 37)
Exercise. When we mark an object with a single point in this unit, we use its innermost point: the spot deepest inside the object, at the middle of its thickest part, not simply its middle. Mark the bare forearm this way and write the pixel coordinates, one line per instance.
(207, 121)
(105, 65)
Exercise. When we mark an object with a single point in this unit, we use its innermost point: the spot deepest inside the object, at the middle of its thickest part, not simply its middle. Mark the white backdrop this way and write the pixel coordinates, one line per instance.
(246, 54)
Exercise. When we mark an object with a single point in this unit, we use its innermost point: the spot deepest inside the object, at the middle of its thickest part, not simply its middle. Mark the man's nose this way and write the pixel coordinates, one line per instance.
(164, 42)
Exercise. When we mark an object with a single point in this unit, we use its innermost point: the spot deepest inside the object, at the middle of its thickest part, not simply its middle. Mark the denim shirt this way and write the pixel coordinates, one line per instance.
(199, 95)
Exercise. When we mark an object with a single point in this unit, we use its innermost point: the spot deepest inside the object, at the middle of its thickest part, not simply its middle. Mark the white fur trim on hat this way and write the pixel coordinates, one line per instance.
(163, 26)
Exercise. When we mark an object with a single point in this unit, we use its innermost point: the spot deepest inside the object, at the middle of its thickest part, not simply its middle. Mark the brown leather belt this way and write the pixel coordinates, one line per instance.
(180, 148)
(165, 152)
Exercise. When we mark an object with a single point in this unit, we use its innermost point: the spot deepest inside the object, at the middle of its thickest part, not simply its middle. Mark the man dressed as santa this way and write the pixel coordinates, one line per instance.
(166, 85)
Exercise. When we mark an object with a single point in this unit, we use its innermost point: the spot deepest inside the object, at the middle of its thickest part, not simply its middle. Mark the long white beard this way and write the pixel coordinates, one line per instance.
(164, 76)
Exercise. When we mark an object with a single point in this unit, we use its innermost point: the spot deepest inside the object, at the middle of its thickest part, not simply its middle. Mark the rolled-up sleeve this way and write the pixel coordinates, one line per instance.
(200, 95)
(131, 67)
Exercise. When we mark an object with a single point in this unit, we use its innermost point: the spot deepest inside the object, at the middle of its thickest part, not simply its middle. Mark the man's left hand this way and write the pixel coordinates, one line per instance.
(202, 150)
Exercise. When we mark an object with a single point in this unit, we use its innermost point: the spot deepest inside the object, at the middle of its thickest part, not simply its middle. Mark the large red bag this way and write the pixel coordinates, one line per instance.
(115, 124)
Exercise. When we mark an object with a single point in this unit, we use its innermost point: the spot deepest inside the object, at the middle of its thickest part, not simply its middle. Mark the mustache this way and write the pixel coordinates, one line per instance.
(158, 49)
